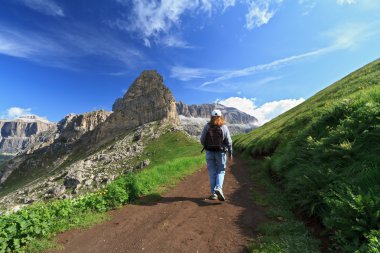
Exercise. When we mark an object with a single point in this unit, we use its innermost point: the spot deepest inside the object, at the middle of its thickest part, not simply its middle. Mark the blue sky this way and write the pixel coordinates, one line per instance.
(262, 56)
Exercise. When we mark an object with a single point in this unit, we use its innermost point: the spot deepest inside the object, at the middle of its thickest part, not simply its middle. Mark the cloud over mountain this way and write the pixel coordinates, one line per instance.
(263, 113)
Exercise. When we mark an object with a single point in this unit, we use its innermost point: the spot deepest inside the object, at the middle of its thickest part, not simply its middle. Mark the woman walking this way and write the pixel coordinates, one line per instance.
(217, 142)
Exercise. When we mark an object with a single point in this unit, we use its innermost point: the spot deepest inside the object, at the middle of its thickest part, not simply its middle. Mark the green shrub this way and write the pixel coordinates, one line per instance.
(373, 242)
(116, 194)
(132, 186)
(353, 217)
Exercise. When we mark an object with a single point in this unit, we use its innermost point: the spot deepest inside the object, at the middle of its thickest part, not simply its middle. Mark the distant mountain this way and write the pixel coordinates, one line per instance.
(89, 150)
(84, 152)
(50, 144)
(194, 117)
(17, 134)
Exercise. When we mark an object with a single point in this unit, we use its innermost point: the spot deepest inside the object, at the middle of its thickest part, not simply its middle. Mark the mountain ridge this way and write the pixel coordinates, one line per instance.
(91, 149)
(17, 134)
(194, 117)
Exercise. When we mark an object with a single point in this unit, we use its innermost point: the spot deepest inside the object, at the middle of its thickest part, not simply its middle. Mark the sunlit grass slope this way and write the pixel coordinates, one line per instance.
(326, 153)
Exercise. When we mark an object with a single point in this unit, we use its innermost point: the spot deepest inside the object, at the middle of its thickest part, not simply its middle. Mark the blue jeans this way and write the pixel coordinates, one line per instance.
(216, 166)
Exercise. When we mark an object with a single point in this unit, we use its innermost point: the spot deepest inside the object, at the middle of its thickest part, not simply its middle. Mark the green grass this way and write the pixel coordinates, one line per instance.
(158, 178)
(170, 146)
(265, 139)
(33, 228)
(325, 153)
(83, 220)
(283, 233)
(26, 173)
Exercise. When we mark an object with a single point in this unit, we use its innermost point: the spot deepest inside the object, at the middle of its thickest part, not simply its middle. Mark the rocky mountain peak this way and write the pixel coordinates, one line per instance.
(17, 134)
(147, 99)
(148, 81)
(33, 118)
(194, 117)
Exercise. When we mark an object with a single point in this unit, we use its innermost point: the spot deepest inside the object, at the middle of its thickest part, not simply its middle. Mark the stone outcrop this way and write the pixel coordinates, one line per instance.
(194, 117)
(147, 100)
(92, 172)
(74, 126)
(50, 148)
(90, 150)
(16, 135)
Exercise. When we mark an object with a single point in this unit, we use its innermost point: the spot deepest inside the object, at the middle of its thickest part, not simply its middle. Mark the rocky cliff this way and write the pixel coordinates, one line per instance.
(194, 117)
(147, 100)
(91, 149)
(16, 135)
(74, 126)
(70, 129)
(50, 147)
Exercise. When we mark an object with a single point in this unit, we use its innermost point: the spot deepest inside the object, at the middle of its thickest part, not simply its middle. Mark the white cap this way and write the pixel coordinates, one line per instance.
(216, 113)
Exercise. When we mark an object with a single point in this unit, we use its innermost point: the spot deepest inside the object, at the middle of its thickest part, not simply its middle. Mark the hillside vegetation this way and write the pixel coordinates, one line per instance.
(173, 156)
(326, 155)
(4, 158)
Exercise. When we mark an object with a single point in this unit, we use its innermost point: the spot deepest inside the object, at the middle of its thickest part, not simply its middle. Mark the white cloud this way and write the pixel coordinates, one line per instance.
(265, 112)
(350, 35)
(61, 48)
(362, 4)
(155, 20)
(266, 67)
(228, 3)
(151, 18)
(47, 7)
(221, 88)
(77, 39)
(270, 110)
(308, 6)
(345, 2)
(174, 41)
(259, 14)
(16, 112)
(267, 80)
(345, 37)
(25, 44)
(187, 74)
(22, 113)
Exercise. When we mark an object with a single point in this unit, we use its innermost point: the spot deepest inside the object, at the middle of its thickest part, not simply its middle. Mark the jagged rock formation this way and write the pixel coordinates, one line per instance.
(194, 117)
(91, 149)
(147, 100)
(73, 126)
(54, 145)
(70, 129)
(93, 171)
(16, 135)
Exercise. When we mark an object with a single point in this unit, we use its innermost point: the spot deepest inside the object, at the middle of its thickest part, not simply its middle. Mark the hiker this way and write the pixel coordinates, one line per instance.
(216, 140)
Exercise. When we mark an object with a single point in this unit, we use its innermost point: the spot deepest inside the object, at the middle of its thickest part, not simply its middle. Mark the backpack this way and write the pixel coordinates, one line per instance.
(214, 139)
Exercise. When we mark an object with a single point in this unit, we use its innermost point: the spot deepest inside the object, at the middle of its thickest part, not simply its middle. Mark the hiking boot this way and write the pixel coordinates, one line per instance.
(220, 195)
(213, 197)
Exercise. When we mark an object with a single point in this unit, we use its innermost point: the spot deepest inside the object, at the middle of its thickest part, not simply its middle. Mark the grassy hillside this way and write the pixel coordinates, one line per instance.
(326, 154)
(4, 158)
(173, 156)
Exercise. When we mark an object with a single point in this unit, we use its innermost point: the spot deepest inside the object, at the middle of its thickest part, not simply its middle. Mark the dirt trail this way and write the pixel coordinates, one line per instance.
(181, 221)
